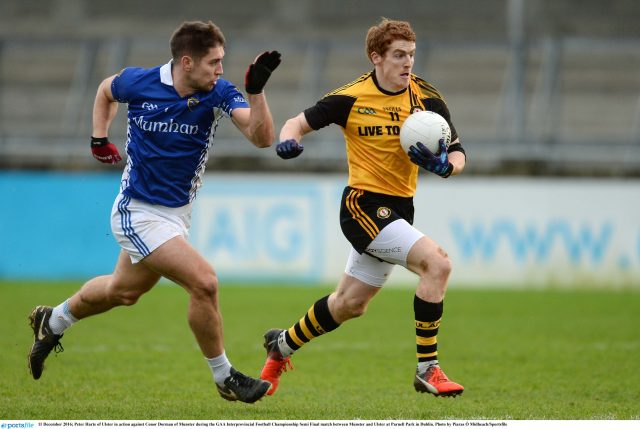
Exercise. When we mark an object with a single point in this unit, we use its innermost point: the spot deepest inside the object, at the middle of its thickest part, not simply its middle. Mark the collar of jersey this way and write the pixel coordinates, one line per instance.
(382, 90)
(165, 74)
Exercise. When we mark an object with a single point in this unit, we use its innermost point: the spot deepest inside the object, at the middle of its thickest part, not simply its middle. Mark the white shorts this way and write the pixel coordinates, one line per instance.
(390, 248)
(140, 227)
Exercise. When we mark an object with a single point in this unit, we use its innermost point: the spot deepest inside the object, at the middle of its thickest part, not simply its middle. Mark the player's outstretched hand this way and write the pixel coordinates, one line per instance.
(438, 164)
(258, 73)
(104, 151)
(289, 149)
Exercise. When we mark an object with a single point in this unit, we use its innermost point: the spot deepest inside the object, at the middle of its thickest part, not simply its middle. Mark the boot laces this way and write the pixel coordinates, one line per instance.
(437, 375)
(278, 366)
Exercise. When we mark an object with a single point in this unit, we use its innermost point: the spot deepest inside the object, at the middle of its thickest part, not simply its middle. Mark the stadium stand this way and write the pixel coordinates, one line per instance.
(536, 87)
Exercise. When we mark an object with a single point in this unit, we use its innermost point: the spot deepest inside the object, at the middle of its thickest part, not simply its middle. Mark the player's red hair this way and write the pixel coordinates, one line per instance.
(380, 36)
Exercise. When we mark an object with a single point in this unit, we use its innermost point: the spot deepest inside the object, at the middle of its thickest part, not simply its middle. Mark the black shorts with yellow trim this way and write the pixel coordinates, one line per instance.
(363, 214)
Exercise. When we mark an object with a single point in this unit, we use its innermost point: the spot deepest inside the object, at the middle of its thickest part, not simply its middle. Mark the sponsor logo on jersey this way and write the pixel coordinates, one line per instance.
(149, 106)
(165, 127)
(366, 110)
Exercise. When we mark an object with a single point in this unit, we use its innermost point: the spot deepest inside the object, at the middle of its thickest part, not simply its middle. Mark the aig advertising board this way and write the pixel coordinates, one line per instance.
(499, 232)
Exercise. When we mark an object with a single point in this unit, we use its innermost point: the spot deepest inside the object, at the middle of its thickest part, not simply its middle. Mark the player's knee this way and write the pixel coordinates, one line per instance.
(205, 287)
(444, 266)
(350, 308)
(437, 267)
(357, 310)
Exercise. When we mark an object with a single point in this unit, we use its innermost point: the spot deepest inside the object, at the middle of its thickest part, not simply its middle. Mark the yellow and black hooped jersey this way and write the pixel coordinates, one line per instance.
(370, 118)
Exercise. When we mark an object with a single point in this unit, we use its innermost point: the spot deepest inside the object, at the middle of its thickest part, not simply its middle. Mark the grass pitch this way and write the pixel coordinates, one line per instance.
(532, 355)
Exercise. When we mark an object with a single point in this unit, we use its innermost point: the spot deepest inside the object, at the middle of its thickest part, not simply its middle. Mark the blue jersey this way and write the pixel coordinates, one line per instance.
(168, 136)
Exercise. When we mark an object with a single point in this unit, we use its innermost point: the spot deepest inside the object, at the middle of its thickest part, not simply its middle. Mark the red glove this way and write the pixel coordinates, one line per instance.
(104, 151)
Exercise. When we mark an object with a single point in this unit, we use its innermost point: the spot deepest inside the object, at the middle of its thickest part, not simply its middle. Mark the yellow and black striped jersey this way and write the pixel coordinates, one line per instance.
(370, 118)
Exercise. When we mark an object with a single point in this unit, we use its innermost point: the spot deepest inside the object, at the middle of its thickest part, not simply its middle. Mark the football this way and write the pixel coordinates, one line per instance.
(427, 128)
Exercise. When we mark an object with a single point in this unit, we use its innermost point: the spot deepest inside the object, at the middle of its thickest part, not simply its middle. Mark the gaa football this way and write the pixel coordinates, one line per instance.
(427, 128)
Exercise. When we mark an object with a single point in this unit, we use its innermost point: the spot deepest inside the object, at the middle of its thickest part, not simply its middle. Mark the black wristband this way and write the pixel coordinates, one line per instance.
(457, 147)
(99, 141)
(448, 171)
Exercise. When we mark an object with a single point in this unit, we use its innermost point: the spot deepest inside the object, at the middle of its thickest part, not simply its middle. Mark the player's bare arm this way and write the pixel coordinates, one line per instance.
(256, 122)
(290, 136)
(295, 128)
(105, 108)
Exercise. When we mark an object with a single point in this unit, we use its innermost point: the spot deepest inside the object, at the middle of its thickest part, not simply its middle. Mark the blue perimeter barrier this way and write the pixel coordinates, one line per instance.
(56, 225)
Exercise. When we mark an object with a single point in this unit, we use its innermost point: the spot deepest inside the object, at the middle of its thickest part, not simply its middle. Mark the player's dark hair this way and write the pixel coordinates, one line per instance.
(195, 38)
(380, 36)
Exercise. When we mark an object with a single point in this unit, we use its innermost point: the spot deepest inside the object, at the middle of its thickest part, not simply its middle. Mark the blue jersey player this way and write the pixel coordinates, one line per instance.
(173, 113)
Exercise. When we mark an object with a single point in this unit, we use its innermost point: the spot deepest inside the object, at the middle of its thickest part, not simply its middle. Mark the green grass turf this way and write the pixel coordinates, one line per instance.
(533, 355)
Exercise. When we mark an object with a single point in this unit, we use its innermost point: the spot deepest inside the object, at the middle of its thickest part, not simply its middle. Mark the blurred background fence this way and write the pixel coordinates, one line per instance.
(536, 87)
(546, 90)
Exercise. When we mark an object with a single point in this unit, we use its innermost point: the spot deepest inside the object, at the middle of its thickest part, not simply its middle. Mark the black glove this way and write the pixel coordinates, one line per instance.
(289, 149)
(258, 73)
(438, 164)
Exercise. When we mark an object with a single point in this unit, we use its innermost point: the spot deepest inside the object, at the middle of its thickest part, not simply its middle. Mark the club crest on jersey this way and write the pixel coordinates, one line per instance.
(192, 102)
(383, 212)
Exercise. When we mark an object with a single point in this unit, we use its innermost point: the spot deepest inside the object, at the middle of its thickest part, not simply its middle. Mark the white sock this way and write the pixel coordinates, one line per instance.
(284, 348)
(61, 318)
(423, 366)
(220, 368)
